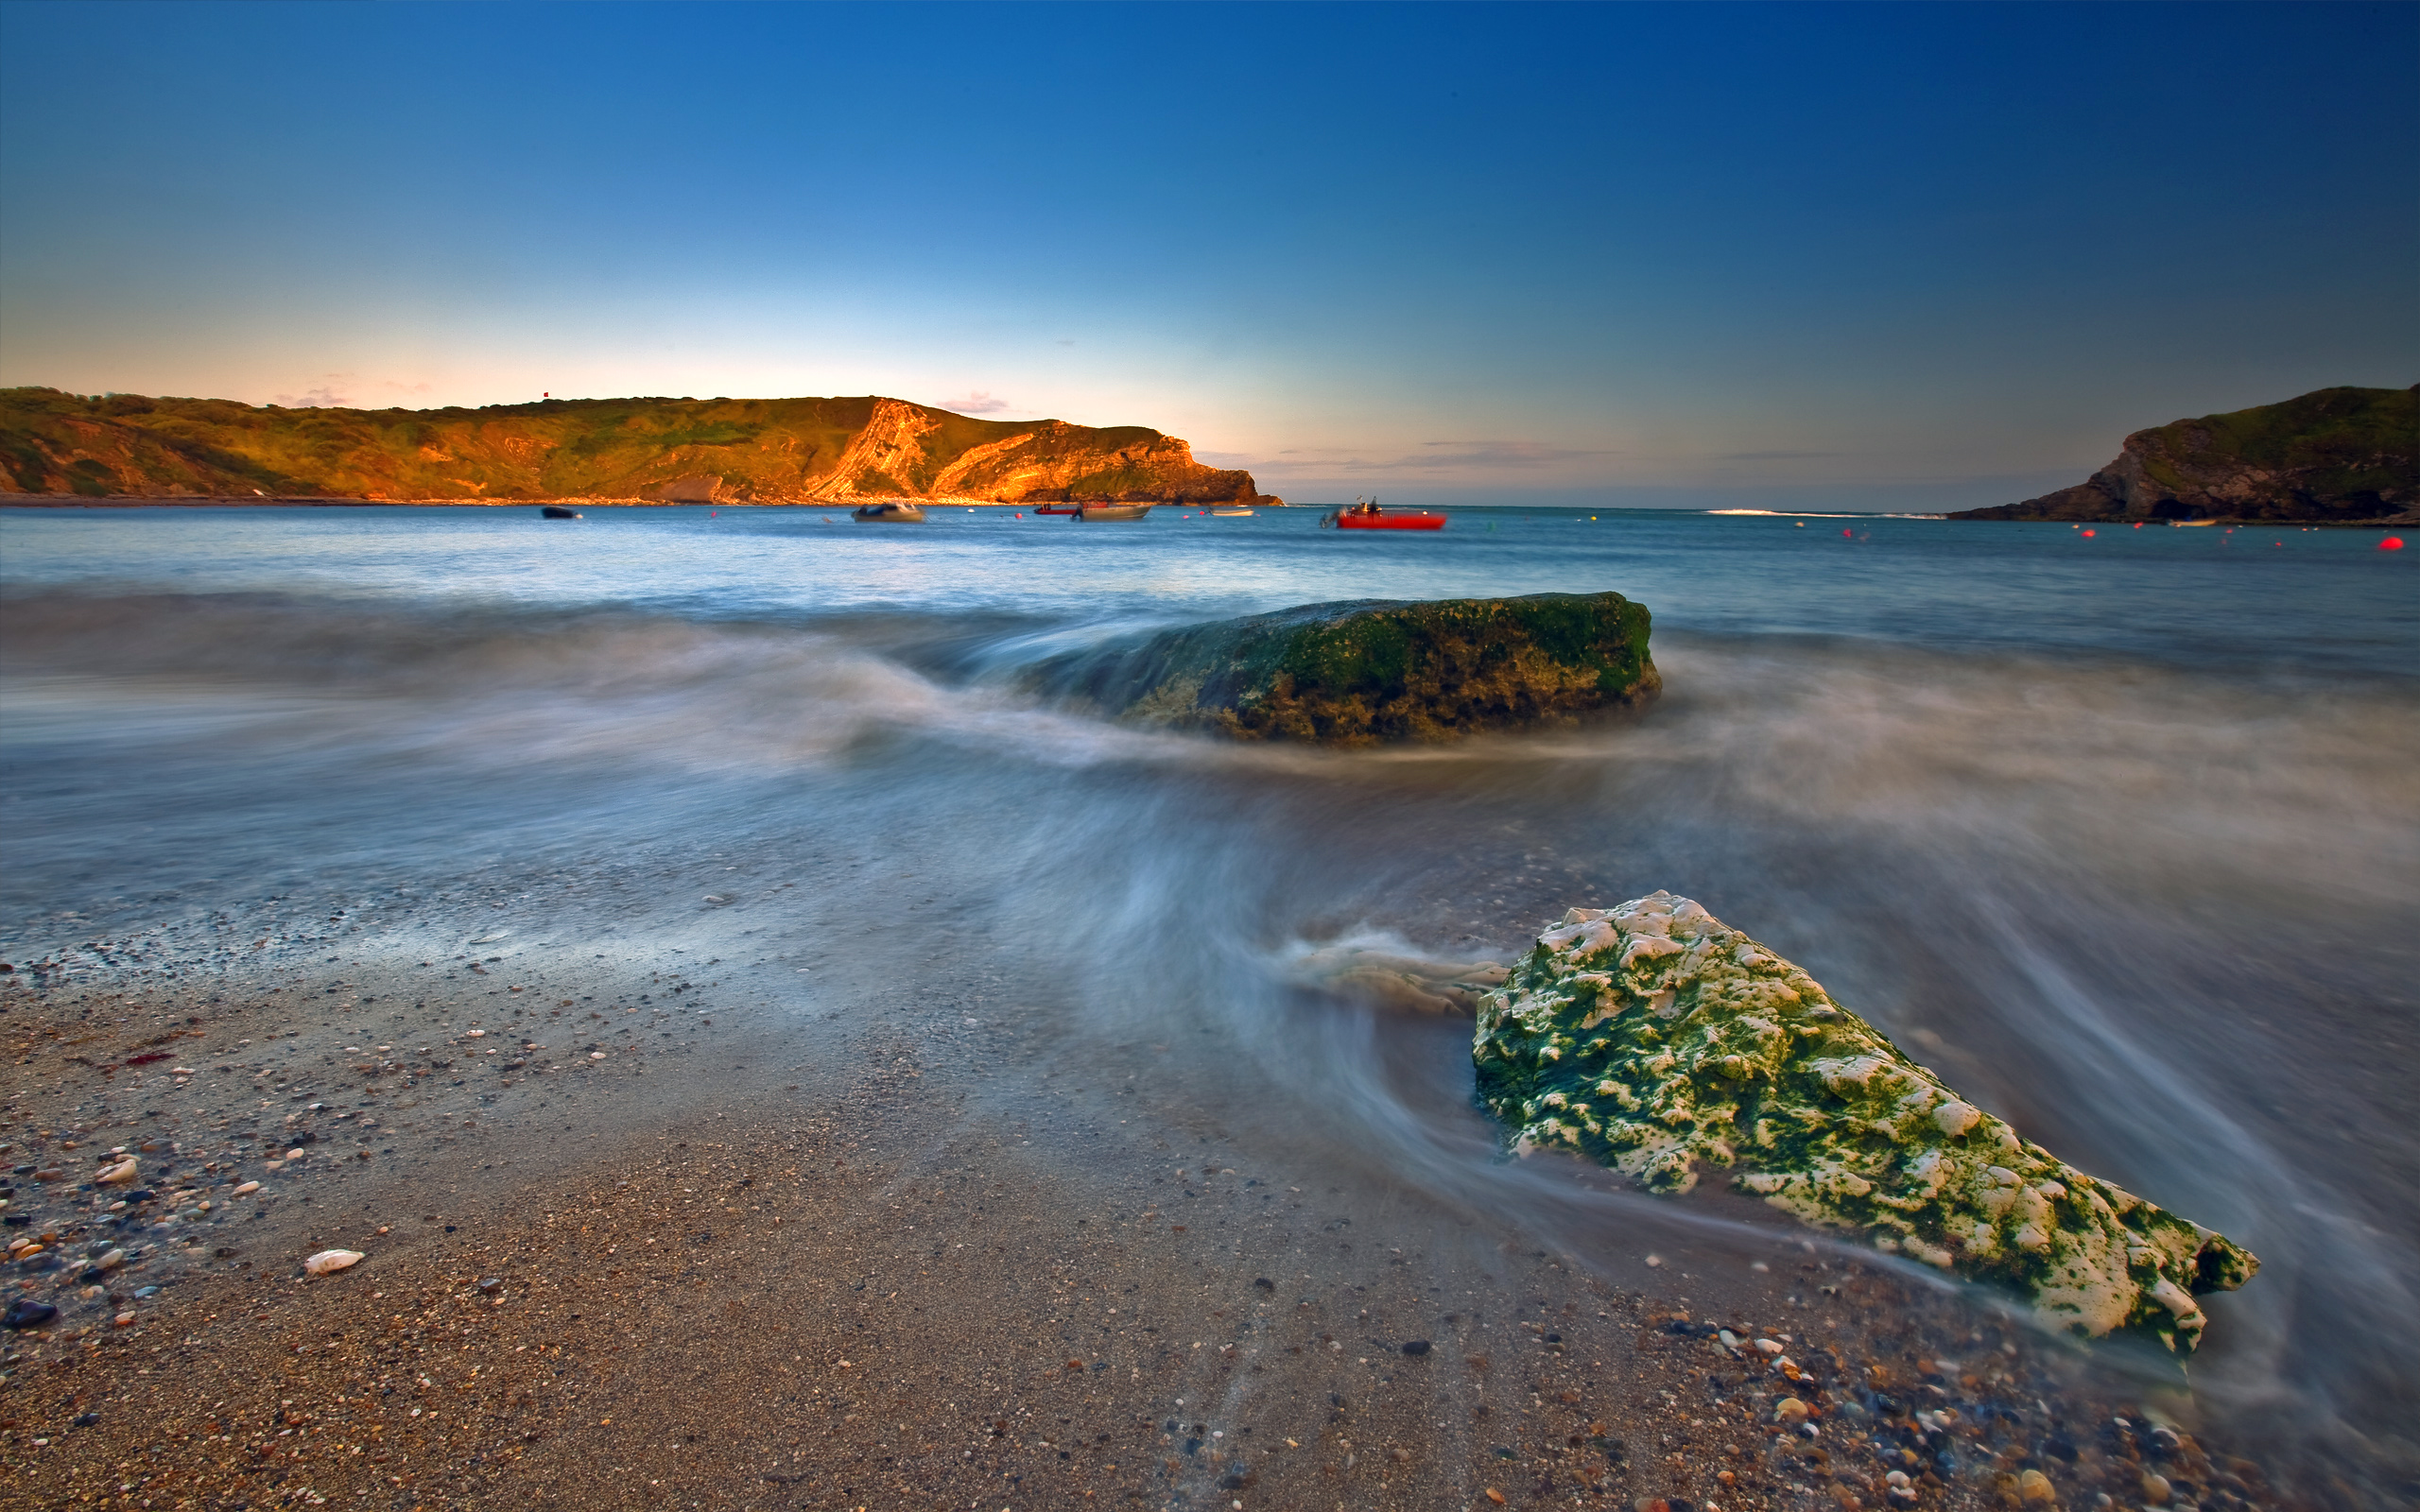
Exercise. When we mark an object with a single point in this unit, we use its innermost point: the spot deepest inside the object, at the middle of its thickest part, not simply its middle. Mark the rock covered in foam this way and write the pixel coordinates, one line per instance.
(1654, 1039)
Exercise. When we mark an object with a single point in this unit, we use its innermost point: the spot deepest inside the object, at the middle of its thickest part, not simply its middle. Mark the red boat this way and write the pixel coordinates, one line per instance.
(1364, 514)
(1058, 508)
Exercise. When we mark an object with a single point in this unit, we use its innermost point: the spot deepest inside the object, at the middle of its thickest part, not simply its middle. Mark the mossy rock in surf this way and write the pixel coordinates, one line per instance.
(1654, 1039)
(1361, 673)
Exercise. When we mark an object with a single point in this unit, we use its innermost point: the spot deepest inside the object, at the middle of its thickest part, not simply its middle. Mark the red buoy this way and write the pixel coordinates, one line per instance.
(2390, 543)
(2092, 532)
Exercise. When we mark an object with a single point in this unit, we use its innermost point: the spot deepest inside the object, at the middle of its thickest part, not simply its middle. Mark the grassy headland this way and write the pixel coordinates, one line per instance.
(722, 451)
(2332, 456)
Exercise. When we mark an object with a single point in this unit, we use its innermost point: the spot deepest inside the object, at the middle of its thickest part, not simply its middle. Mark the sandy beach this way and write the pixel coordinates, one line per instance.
(623, 1244)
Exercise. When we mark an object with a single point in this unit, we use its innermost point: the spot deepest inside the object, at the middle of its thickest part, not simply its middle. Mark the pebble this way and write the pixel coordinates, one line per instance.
(1416, 1346)
(120, 1174)
(294, 1155)
(109, 1260)
(1790, 1410)
(24, 1312)
(1767, 1348)
(123, 1320)
(2155, 1490)
(2035, 1487)
(247, 1189)
(328, 1261)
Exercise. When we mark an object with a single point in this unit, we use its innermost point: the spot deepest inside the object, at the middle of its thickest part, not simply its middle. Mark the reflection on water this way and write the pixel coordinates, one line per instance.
(2158, 918)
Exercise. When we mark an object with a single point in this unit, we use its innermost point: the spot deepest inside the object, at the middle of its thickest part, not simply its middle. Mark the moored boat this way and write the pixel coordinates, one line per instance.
(1364, 514)
(1228, 511)
(556, 512)
(1112, 511)
(1057, 508)
(888, 512)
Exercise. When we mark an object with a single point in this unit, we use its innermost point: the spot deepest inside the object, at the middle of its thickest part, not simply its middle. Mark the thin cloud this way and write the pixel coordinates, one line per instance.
(977, 403)
(337, 390)
(1772, 456)
(1441, 457)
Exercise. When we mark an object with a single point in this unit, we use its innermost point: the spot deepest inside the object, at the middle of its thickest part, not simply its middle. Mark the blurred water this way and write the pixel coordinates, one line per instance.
(2121, 833)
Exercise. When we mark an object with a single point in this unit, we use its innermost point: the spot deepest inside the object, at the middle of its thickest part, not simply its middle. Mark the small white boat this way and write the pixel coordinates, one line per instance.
(1228, 511)
(1112, 511)
(888, 512)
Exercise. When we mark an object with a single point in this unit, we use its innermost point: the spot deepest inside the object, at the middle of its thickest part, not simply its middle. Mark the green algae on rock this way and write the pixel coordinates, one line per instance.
(1360, 673)
(1652, 1038)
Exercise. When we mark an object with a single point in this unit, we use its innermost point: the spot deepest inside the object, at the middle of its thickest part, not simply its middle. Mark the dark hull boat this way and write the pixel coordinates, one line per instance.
(888, 512)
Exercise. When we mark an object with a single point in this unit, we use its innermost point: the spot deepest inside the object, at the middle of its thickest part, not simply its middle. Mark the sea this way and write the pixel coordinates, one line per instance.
(2118, 827)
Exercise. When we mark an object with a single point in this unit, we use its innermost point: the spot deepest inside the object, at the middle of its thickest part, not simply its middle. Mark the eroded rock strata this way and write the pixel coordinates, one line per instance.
(664, 451)
(1655, 1040)
(1361, 673)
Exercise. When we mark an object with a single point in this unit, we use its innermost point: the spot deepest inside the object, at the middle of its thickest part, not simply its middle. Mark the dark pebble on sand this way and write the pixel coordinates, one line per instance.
(24, 1312)
(1416, 1346)
(88, 1419)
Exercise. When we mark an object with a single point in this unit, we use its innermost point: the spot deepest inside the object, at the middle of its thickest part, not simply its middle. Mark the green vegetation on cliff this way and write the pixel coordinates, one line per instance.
(2334, 456)
(734, 451)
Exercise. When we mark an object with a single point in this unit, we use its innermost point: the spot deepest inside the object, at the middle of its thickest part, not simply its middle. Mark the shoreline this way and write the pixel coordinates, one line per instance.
(814, 1260)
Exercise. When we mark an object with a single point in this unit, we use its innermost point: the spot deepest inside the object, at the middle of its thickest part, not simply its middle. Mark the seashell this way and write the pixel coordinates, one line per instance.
(328, 1261)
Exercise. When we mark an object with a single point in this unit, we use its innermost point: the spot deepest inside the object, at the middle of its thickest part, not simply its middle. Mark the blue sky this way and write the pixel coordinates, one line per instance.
(1898, 255)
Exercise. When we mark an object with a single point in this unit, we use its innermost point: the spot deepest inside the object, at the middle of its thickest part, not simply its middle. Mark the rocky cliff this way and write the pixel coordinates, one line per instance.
(2334, 456)
(721, 450)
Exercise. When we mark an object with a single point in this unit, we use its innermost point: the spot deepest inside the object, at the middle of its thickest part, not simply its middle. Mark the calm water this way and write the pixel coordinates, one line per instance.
(2123, 830)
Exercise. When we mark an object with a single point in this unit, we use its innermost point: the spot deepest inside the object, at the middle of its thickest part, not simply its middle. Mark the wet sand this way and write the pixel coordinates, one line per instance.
(639, 1231)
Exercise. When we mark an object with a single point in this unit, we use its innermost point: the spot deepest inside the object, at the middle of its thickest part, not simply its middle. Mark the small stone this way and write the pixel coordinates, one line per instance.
(247, 1189)
(1767, 1348)
(24, 1312)
(490, 1283)
(596, 1055)
(120, 1174)
(2155, 1490)
(123, 1320)
(1790, 1410)
(110, 1260)
(1654, 1261)
(295, 1154)
(329, 1260)
(1416, 1346)
(2035, 1487)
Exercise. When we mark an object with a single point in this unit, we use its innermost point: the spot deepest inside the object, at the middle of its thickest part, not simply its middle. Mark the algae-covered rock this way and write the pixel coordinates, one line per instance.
(1356, 674)
(1654, 1039)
